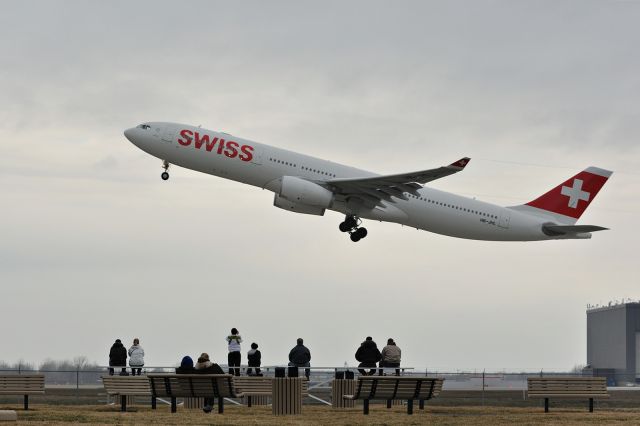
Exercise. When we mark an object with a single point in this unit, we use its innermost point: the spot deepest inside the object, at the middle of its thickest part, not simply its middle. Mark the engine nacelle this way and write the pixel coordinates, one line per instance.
(300, 191)
(285, 204)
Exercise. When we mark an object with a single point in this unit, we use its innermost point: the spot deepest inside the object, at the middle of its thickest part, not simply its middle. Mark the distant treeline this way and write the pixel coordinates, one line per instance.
(65, 372)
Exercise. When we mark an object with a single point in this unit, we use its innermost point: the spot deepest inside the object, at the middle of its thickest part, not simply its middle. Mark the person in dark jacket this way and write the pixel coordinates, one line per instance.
(186, 366)
(300, 356)
(368, 355)
(118, 357)
(254, 356)
(205, 366)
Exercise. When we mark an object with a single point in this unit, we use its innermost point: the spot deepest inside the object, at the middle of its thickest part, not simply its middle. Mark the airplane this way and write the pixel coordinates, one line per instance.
(309, 185)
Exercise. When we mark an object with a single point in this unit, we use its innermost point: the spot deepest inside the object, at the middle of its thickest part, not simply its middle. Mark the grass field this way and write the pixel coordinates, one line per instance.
(321, 415)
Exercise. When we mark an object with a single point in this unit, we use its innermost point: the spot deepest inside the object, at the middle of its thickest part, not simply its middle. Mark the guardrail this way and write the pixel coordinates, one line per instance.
(459, 380)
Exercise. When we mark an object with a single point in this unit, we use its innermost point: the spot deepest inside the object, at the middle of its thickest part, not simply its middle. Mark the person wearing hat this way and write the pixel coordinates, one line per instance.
(186, 366)
(254, 359)
(118, 357)
(391, 356)
(205, 366)
(368, 355)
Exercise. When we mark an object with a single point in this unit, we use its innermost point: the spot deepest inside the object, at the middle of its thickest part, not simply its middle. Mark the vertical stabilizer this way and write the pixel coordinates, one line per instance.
(568, 201)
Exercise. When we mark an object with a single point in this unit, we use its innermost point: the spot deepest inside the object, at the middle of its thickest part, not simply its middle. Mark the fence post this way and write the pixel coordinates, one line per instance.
(483, 387)
(77, 381)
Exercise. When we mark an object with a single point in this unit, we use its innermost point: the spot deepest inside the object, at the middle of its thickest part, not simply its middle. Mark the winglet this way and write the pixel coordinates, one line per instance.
(460, 164)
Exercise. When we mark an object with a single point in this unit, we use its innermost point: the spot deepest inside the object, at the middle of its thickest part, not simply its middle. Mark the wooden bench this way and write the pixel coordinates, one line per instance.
(567, 387)
(22, 384)
(391, 388)
(210, 386)
(124, 386)
(251, 386)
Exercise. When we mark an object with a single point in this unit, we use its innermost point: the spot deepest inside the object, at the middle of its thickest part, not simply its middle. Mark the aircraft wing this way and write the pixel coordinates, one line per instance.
(378, 188)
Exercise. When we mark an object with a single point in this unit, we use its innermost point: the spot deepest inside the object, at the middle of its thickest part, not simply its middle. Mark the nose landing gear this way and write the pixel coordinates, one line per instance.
(165, 166)
(351, 225)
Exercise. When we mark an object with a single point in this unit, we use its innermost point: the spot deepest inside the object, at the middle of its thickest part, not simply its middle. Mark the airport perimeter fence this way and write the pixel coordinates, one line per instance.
(459, 380)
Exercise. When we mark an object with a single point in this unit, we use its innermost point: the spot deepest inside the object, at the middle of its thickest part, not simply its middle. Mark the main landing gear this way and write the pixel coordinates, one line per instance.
(351, 225)
(165, 166)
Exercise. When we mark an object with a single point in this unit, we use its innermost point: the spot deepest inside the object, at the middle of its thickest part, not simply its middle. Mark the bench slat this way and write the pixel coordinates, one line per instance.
(21, 384)
(392, 387)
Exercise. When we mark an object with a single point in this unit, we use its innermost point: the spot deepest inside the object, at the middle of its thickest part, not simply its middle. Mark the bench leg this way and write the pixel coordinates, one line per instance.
(410, 406)
(174, 405)
(388, 403)
(153, 403)
(546, 405)
(123, 403)
(591, 405)
(220, 405)
(421, 404)
(26, 402)
(365, 406)
(248, 400)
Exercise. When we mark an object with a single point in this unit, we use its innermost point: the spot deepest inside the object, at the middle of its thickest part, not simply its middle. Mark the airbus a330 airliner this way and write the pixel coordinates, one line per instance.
(309, 185)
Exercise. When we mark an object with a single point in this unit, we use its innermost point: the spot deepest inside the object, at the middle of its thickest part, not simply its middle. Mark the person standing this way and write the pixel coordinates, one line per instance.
(368, 355)
(253, 360)
(118, 357)
(234, 357)
(391, 355)
(300, 356)
(136, 357)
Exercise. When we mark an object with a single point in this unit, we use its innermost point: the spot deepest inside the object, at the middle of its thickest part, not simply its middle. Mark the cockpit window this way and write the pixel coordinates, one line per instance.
(144, 126)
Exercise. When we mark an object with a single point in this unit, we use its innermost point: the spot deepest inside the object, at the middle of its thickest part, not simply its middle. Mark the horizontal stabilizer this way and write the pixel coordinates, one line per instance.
(570, 229)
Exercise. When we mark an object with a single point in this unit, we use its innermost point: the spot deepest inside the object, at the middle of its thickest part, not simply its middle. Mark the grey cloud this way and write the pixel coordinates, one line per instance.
(385, 87)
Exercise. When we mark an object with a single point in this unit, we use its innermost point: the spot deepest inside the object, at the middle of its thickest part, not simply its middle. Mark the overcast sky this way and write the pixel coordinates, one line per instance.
(94, 246)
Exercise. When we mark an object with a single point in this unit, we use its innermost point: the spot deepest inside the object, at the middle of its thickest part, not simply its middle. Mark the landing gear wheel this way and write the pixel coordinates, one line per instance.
(351, 225)
(361, 233)
(165, 166)
(350, 222)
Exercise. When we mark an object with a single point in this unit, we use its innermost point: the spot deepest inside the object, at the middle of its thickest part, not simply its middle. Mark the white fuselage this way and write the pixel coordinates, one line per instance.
(434, 211)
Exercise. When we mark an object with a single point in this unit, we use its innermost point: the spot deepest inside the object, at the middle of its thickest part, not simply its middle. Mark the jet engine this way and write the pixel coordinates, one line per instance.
(285, 204)
(300, 191)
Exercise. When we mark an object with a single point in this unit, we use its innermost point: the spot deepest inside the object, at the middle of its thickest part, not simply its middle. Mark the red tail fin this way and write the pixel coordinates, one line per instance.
(572, 197)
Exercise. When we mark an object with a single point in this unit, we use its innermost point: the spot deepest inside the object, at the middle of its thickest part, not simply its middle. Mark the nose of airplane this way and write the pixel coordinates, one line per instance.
(129, 134)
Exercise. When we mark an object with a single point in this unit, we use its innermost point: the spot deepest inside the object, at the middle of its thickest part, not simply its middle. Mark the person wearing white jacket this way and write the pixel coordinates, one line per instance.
(391, 355)
(136, 357)
(234, 357)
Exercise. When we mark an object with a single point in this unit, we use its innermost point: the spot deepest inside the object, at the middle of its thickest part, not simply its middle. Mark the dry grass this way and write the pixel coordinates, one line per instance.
(318, 415)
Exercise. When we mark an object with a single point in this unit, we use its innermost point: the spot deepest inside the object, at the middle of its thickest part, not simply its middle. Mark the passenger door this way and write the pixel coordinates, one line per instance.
(504, 219)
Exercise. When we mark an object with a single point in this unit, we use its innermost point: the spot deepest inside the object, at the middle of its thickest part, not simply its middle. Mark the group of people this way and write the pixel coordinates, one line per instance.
(367, 354)
(299, 356)
(118, 357)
